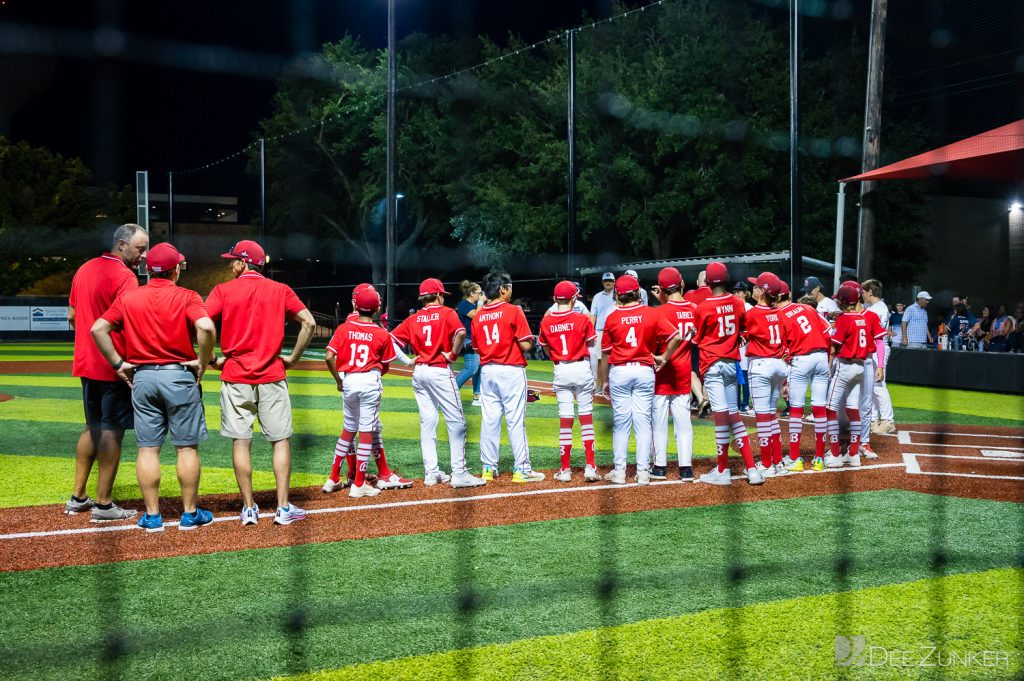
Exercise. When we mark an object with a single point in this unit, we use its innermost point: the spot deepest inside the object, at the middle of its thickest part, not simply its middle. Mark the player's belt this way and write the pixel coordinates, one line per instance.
(812, 352)
(631, 364)
(571, 361)
(847, 360)
(161, 367)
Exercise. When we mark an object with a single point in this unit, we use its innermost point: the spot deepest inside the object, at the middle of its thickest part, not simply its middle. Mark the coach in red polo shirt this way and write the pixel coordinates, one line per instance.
(160, 322)
(107, 399)
(252, 310)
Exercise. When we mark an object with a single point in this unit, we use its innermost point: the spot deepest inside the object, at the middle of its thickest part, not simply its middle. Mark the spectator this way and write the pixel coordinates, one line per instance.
(1015, 341)
(896, 322)
(826, 307)
(643, 293)
(603, 303)
(958, 328)
(1001, 328)
(982, 329)
(472, 299)
(955, 301)
(916, 333)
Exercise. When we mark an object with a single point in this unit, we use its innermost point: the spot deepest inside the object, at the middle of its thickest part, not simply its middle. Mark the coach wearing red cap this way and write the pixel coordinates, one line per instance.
(252, 311)
(159, 322)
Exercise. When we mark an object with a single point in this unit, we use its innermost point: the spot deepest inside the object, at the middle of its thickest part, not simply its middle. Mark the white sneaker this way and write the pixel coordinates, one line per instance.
(643, 477)
(460, 480)
(396, 481)
(564, 475)
(616, 475)
(591, 474)
(754, 476)
(364, 490)
(477, 403)
(765, 471)
(887, 427)
(867, 453)
(286, 515)
(250, 515)
(833, 461)
(717, 477)
(330, 486)
(781, 470)
(854, 460)
(437, 477)
(749, 412)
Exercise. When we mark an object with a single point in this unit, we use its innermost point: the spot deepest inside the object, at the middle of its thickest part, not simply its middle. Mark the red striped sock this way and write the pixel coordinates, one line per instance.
(820, 430)
(764, 438)
(379, 457)
(776, 440)
(796, 427)
(565, 440)
(721, 419)
(833, 431)
(363, 456)
(587, 434)
(739, 431)
(854, 417)
(341, 452)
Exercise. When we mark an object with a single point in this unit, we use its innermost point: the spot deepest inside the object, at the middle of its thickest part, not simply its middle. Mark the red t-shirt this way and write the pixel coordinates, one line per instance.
(97, 284)
(762, 327)
(361, 347)
(430, 332)
(856, 333)
(632, 334)
(158, 322)
(806, 331)
(252, 311)
(674, 377)
(565, 335)
(719, 322)
(698, 295)
(497, 329)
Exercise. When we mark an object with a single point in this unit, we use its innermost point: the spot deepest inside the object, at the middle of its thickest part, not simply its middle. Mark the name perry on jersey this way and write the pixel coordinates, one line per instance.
(631, 321)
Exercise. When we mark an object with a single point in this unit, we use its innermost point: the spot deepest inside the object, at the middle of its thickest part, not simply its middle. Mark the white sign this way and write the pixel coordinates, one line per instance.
(14, 318)
(50, 318)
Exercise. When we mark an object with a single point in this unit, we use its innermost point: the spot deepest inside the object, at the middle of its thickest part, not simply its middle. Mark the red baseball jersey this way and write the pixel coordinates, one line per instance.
(856, 333)
(697, 295)
(674, 377)
(565, 335)
(252, 311)
(806, 331)
(361, 347)
(632, 334)
(762, 327)
(97, 284)
(354, 317)
(430, 332)
(157, 321)
(718, 324)
(497, 329)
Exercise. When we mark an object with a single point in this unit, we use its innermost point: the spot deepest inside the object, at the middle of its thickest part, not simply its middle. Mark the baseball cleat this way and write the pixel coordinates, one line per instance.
(818, 464)
(489, 472)
(151, 523)
(591, 474)
(754, 476)
(520, 476)
(868, 453)
(616, 475)
(658, 473)
(461, 480)
(686, 472)
(765, 471)
(334, 485)
(833, 461)
(794, 465)
(364, 490)
(75, 507)
(717, 477)
(781, 470)
(437, 477)
(198, 518)
(643, 476)
(250, 515)
(394, 482)
(853, 460)
(564, 475)
(286, 515)
(477, 403)
(112, 514)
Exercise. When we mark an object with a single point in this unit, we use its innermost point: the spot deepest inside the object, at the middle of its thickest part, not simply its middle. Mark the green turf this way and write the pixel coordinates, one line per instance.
(225, 615)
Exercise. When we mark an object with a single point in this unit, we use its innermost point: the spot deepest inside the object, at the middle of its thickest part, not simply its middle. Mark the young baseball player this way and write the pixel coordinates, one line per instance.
(762, 329)
(672, 381)
(632, 333)
(356, 354)
(853, 340)
(718, 325)
(435, 335)
(501, 335)
(567, 335)
(882, 421)
(808, 337)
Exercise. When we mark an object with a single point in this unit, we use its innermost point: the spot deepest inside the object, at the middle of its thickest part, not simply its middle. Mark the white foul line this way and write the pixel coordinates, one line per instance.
(914, 468)
(937, 432)
(1002, 454)
(1011, 459)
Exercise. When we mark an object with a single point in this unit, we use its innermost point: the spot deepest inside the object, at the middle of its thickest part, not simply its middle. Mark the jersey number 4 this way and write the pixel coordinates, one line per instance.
(491, 334)
(631, 337)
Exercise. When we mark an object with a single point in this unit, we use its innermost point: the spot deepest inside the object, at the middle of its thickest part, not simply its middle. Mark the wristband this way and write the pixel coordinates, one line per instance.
(213, 361)
(120, 363)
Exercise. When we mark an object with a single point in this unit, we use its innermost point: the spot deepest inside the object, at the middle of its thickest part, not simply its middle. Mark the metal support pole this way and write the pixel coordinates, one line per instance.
(840, 214)
(263, 194)
(571, 115)
(389, 249)
(868, 216)
(170, 205)
(795, 235)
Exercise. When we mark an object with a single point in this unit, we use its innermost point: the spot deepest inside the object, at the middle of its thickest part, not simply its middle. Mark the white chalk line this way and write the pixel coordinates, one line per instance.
(913, 467)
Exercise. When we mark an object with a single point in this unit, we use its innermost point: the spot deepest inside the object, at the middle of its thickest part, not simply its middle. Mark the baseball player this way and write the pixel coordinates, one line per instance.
(567, 335)
(603, 303)
(762, 329)
(853, 339)
(502, 336)
(883, 421)
(435, 335)
(356, 354)
(718, 325)
(825, 306)
(632, 333)
(698, 296)
(577, 306)
(672, 382)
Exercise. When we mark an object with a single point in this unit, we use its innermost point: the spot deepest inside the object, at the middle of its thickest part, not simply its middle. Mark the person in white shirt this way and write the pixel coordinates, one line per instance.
(643, 292)
(826, 307)
(600, 306)
(577, 306)
(883, 416)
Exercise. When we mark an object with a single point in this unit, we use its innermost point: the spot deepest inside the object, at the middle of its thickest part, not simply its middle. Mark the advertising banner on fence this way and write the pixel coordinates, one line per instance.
(50, 318)
(14, 318)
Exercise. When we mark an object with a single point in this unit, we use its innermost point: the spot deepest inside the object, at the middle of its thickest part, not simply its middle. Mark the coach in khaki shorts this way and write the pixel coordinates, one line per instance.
(252, 311)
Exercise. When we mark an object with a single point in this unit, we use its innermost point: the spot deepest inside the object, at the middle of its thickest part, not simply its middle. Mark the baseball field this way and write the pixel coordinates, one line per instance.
(910, 566)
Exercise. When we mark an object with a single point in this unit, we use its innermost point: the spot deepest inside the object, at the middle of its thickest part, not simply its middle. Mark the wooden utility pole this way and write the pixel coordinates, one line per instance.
(872, 140)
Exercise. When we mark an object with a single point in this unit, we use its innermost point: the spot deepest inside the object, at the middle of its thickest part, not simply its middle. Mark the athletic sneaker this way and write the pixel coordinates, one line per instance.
(853, 461)
(151, 523)
(616, 475)
(591, 474)
(794, 465)
(833, 461)
(396, 481)
(364, 490)
(717, 477)
(521, 476)
(658, 473)
(286, 515)
(75, 507)
(686, 472)
(754, 476)
(780, 469)
(437, 477)
(765, 471)
(887, 427)
(817, 464)
(489, 473)
(749, 412)
(333, 486)
(465, 479)
(198, 518)
(108, 515)
(476, 402)
(868, 453)
(643, 476)
(250, 515)
(564, 475)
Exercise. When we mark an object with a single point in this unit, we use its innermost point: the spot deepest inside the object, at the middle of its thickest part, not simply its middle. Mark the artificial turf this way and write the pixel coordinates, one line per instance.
(231, 615)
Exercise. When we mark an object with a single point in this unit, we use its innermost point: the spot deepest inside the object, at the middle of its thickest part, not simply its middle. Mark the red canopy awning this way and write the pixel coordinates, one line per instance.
(997, 154)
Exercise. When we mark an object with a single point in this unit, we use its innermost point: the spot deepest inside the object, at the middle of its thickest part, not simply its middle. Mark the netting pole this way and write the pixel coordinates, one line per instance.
(571, 133)
(263, 194)
(389, 250)
(795, 237)
(170, 205)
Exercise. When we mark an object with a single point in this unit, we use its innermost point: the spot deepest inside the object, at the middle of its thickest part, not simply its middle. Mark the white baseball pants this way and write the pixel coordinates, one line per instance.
(866, 399)
(721, 386)
(574, 382)
(847, 378)
(810, 370)
(767, 374)
(679, 407)
(882, 407)
(631, 388)
(595, 354)
(503, 391)
(434, 388)
(361, 394)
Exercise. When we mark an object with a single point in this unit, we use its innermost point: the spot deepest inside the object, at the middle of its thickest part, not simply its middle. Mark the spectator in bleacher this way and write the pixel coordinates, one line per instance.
(895, 324)
(916, 333)
(1015, 341)
(958, 327)
(472, 299)
(959, 300)
(1001, 328)
(982, 329)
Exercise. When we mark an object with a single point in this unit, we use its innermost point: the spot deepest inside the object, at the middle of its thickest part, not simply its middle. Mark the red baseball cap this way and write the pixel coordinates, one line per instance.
(717, 273)
(367, 300)
(848, 295)
(767, 282)
(669, 277)
(785, 289)
(430, 287)
(360, 288)
(163, 257)
(247, 251)
(566, 290)
(626, 283)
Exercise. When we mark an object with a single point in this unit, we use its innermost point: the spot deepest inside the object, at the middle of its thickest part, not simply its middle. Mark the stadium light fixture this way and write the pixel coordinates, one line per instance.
(1016, 207)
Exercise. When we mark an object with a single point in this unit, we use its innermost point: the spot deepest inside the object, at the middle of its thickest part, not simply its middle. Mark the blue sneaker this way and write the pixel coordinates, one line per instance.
(151, 523)
(190, 521)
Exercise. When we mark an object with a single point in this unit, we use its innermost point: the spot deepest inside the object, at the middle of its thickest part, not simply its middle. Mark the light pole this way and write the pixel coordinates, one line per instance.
(392, 204)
